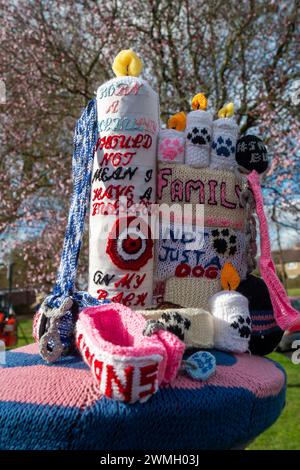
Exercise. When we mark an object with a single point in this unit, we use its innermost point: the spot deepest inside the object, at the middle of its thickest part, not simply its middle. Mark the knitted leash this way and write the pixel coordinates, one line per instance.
(284, 313)
(57, 304)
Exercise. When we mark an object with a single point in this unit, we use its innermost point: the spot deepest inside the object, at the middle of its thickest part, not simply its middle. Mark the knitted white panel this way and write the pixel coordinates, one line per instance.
(213, 249)
(198, 138)
(171, 146)
(191, 292)
(225, 135)
(195, 325)
(232, 321)
(121, 266)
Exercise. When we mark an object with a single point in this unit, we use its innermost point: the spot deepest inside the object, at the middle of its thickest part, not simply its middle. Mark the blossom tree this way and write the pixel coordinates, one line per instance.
(54, 55)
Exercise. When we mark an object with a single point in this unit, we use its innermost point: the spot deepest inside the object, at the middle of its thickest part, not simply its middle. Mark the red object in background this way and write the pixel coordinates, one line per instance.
(8, 329)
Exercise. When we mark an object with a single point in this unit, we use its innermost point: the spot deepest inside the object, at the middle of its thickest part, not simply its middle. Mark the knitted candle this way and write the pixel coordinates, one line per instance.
(225, 135)
(198, 134)
(232, 321)
(123, 181)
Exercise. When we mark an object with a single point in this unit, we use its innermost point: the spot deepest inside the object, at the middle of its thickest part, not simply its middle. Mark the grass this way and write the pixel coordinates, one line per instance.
(25, 332)
(295, 292)
(284, 434)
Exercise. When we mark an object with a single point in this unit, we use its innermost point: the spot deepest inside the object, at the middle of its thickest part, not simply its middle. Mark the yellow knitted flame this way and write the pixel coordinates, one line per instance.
(227, 111)
(127, 63)
(230, 278)
(199, 102)
(177, 121)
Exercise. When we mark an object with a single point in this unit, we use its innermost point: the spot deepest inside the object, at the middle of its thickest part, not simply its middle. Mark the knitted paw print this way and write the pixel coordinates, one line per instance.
(243, 326)
(223, 147)
(170, 148)
(175, 323)
(224, 241)
(199, 136)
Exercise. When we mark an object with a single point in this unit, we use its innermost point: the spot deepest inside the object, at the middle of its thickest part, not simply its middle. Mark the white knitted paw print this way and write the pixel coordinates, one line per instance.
(170, 148)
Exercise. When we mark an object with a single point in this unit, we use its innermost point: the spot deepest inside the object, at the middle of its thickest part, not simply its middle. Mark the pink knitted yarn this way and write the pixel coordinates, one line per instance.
(285, 314)
(127, 365)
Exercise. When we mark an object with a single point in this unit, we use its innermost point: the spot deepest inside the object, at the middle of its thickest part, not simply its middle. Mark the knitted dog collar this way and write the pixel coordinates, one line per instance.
(127, 366)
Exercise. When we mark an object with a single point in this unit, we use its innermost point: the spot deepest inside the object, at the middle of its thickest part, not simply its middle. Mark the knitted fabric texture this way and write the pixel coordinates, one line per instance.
(59, 407)
(232, 321)
(171, 146)
(206, 258)
(123, 184)
(225, 135)
(218, 190)
(192, 268)
(284, 313)
(198, 134)
(190, 292)
(265, 334)
(127, 366)
(194, 326)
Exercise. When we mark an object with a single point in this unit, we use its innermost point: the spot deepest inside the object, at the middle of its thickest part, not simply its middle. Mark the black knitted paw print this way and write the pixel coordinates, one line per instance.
(199, 136)
(223, 147)
(175, 323)
(243, 326)
(224, 241)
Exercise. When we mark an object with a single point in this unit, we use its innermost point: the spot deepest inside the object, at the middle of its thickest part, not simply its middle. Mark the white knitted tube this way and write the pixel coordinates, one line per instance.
(225, 135)
(198, 136)
(232, 321)
(171, 146)
(124, 177)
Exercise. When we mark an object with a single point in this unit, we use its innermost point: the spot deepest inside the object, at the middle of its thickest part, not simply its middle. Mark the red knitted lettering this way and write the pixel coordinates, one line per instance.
(148, 377)
(182, 270)
(112, 377)
(102, 294)
(98, 368)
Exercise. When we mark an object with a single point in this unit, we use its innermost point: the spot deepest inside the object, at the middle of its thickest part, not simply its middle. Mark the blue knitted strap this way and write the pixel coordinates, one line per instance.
(85, 138)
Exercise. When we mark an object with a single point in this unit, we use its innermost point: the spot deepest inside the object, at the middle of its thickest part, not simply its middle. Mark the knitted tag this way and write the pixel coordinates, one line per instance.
(225, 134)
(171, 146)
(200, 365)
(198, 138)
(123, 187)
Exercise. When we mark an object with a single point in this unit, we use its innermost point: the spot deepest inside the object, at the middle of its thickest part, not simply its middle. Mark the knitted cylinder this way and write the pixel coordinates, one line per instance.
(58, 407)
(198, 134)
(225, 135)
(232, 321)
(265, 334)
(123, 186)
(194, 326)
(171, 146)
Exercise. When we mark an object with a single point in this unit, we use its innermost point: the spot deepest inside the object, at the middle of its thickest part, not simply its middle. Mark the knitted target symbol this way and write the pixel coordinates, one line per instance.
(129, 243)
